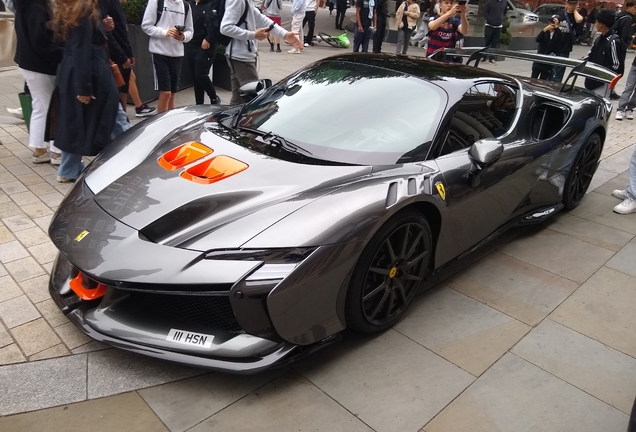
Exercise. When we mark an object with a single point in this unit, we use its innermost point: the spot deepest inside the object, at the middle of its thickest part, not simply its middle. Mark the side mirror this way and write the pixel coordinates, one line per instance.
(252, 89)
(485, 152)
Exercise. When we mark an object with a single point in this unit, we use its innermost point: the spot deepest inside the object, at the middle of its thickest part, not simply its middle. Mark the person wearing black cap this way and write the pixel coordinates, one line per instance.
(608, 48)
(569, 18)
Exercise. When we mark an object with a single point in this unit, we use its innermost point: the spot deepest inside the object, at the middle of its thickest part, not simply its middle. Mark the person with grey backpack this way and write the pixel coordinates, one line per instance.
(272, 10)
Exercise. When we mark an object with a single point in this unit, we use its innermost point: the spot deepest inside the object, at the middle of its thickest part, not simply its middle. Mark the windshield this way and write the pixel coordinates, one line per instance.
(351, 113)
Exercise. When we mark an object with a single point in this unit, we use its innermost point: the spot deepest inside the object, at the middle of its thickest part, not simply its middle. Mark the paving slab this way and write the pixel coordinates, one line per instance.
(597, 207)
(625, 260)
(516, 396)
(8, 288)
(35, 385)
(389, 381)
(618, 182)
(602, 308)
(590, 232)
(35, 336)
(288, 404)
(17, 311)
(186, 403)
(124, 413)
(583, 362)
(460, 329)
(513, 287)
(560, 254)
(115, 371)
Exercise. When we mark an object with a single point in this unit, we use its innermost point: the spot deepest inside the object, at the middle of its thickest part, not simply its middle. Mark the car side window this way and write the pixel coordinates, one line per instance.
(486, 111)
(540, 10)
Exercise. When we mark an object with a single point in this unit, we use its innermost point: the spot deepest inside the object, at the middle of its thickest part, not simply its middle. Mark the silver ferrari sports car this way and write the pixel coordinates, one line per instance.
(241, 237)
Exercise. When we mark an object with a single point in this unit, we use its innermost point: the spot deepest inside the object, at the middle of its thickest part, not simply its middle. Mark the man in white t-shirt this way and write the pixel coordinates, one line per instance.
(168, 31)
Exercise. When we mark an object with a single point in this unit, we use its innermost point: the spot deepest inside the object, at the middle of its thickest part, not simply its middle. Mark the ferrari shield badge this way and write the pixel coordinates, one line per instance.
(81, 236)
(441, 190)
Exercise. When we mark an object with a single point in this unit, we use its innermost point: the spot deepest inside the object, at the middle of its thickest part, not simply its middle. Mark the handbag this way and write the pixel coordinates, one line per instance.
(119, 79)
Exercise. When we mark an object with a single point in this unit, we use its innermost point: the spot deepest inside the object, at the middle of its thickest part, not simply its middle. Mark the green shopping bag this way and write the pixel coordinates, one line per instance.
(25, 103)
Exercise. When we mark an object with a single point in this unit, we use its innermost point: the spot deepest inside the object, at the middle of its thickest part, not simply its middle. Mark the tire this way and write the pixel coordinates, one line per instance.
(581, 172)
(329, 39)
(389, 273)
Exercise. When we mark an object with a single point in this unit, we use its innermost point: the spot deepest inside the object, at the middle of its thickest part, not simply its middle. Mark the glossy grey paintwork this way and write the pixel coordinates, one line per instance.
(279, 204)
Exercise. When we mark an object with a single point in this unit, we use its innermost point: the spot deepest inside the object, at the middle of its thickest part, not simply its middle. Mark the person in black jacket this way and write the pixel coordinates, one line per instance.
(495, 13)
(624, 20)
(607, 48)
(201, 50)
(89, 114)
(37, 56)
(549, 40)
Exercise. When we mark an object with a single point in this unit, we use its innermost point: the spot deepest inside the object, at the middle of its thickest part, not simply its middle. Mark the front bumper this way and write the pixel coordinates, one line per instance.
(114, 321)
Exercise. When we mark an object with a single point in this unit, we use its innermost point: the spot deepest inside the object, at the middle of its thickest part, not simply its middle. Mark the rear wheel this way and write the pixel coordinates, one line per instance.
(582, 170)
(389, 273)
(329, 39)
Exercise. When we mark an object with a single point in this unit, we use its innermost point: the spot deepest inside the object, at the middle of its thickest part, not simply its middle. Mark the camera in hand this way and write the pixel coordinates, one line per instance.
(462, 2)
(180, 28)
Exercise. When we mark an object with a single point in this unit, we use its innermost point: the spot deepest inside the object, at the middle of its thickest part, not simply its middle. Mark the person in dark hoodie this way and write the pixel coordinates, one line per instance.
(201, 50)
(549, 40)
(607, 48)
(624, 20)
(37, 56)
(495, 14)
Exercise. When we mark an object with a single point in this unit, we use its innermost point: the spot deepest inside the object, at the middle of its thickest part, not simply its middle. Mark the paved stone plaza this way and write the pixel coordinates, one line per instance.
(535, 332)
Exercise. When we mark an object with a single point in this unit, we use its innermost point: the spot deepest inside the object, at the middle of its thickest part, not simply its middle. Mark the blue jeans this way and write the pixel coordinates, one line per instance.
(559, 71)
(631, 188)
(72, 166)
(361, 40)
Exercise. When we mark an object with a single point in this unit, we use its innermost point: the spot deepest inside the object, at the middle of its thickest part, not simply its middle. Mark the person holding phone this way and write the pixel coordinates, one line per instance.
(495, 13)
(550, 40)
(168, 31)
(445, 29)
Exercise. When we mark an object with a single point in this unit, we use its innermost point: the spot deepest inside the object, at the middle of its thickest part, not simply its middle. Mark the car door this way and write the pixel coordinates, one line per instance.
(481, 201)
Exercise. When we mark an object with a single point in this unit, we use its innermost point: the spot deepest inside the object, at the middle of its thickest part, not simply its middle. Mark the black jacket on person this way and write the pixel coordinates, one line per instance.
(78, 128)
(117, 40)
(495, 12)
(549, 45)
(606, 52)
(202, 21)
(36, 50)
(623, 26)
(381, 9)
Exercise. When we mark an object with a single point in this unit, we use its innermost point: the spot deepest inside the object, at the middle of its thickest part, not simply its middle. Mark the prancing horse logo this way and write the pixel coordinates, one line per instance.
(441, 190)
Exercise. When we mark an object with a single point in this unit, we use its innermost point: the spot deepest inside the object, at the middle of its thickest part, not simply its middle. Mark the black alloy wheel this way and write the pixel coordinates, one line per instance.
(389, 273)
(582, 170)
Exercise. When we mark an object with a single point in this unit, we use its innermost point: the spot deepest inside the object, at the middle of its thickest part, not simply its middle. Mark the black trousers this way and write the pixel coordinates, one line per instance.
(491, 38)
(378, 36)
(341, 8)
(200, 61)
(310, 17)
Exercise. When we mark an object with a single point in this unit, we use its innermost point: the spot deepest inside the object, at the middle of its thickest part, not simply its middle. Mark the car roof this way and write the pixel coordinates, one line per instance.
(419, 67)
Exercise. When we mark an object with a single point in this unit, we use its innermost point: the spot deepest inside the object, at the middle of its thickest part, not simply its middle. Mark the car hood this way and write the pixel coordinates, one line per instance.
(169, 208)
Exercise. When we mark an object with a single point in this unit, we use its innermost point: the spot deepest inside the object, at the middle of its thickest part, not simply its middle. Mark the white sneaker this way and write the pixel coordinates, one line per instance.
(43, 158)
(626, 207)
(16, 112)
(61, 179)
(629, 115)
(620, 194)
(306, 44)
(56, 159)
(619, 115)
(294, 51)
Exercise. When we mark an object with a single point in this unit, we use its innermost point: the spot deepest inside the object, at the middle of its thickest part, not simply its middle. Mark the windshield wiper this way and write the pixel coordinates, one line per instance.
(273, 139)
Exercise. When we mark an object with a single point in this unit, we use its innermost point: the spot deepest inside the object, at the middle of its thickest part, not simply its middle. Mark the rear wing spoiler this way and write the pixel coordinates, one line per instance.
(579, 68)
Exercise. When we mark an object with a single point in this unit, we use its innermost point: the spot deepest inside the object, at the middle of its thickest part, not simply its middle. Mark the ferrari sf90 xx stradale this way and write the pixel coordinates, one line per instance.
(238, 238)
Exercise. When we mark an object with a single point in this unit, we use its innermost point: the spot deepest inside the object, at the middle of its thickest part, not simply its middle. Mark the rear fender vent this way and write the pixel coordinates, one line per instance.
(391, 196)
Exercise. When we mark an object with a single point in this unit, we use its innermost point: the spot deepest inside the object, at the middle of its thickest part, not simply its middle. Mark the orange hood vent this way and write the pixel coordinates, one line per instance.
(214, 170)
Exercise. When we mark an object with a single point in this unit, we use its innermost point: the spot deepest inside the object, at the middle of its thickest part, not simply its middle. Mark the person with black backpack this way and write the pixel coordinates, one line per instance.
(240, 25)
(568, 19)
(169, 25)
(201, 50)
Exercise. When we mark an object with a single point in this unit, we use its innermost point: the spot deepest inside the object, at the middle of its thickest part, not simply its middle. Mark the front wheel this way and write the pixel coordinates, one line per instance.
(581, 172)
(389, 273)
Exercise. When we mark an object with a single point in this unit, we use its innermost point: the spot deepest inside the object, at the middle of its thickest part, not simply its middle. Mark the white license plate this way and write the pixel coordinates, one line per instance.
(190, 338)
